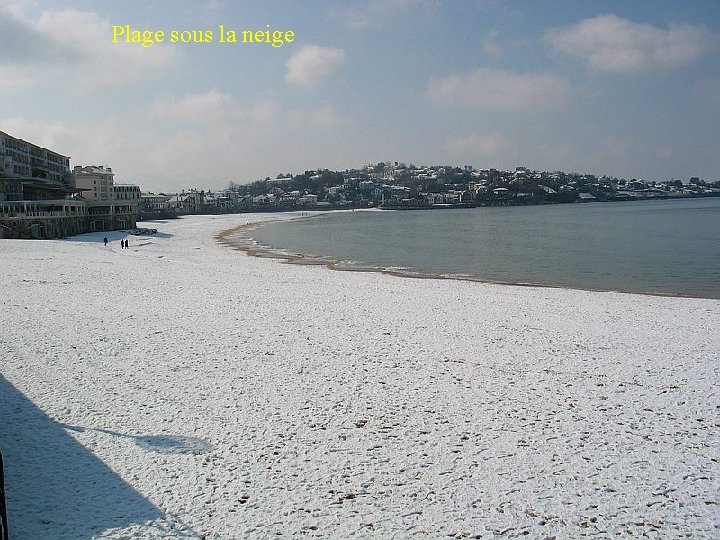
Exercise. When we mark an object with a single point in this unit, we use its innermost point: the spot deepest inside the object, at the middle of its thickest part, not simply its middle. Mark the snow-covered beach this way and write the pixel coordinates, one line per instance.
(181, 388)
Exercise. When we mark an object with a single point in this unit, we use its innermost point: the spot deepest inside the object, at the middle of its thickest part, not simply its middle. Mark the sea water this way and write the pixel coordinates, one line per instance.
(661, 247)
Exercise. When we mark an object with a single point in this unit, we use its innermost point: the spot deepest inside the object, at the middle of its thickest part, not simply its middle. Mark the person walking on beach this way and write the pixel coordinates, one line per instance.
(105, 240)
(127, 244)
(122, 244)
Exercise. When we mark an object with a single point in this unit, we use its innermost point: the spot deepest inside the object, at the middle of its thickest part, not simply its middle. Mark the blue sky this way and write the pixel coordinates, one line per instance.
(629, 89)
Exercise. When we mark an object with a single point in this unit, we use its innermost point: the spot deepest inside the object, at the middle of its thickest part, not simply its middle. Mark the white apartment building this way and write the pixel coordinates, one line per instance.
(110, 205)
(96, 182)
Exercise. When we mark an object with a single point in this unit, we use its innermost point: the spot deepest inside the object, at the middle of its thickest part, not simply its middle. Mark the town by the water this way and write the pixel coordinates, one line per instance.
(41, 196)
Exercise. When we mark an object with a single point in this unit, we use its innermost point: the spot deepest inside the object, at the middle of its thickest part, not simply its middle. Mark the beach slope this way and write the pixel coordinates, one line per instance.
(181, 388)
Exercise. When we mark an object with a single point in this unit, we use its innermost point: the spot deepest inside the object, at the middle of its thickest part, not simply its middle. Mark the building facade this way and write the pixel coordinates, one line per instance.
(111, 206)
(96, 182)
(21, 159)
(37, 196)
(41, 198)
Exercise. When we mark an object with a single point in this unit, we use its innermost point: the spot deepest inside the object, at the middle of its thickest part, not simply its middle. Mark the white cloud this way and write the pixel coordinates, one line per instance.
(85, 142)
(610, 43)
(325, 118)
(201, 140)
(364, 13)
(491, 45)
(213, 109)
(14, 78)
(498, 89)
(311, 64)
(490, 145)
(74, 47)
(208, 106)
(46, 134)
(264, 113)
(710, 89)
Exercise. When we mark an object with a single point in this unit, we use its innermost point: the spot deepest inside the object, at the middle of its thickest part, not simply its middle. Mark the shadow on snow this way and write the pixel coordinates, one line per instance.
(55, 487)
(163, 444)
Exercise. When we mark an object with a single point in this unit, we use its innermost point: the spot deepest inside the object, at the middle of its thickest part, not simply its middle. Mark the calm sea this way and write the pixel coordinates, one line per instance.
(663, 247)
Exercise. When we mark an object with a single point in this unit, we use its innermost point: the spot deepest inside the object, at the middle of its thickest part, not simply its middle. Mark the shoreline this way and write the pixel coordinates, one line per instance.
(281, 255)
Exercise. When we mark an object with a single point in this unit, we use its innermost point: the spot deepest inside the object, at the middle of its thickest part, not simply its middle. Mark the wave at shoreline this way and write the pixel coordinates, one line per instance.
(241, 239)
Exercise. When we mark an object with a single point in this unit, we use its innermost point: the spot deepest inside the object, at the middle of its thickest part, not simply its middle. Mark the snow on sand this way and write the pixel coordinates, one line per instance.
(184, 389)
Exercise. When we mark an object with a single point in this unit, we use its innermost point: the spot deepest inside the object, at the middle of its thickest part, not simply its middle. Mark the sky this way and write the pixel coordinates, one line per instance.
(626, 89)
